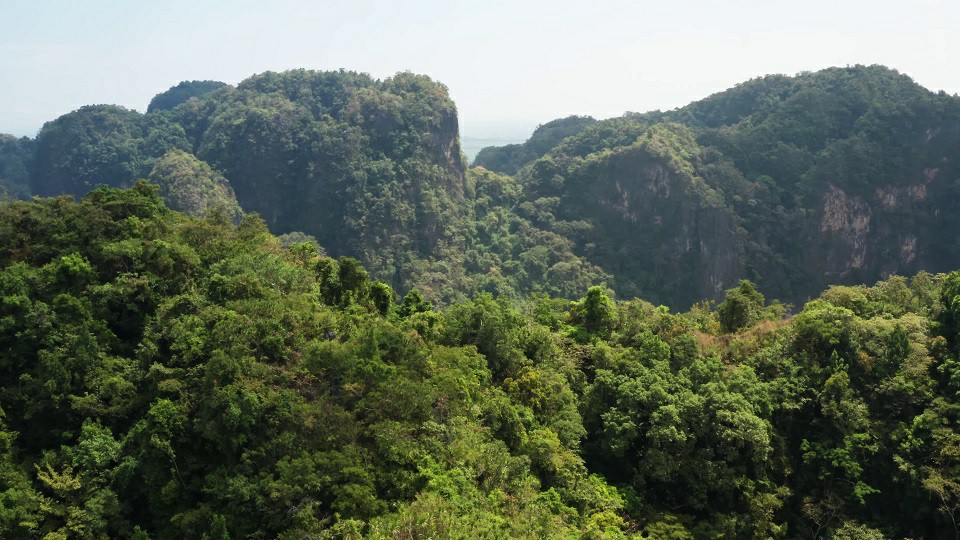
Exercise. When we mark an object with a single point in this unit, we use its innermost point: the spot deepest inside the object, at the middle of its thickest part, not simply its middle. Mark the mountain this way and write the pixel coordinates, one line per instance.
(100, 145)
(840, 176)
(16, 158)
(844, 175)
(649, 217)
(370, 168)
(509, 158)
(181, 93)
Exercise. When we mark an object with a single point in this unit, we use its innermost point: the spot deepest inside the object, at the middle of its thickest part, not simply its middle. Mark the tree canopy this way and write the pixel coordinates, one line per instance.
(163, 375)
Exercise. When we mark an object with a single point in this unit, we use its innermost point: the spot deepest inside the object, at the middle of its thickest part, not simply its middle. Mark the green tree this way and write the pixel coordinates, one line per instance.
(596, 312)
(741, 308)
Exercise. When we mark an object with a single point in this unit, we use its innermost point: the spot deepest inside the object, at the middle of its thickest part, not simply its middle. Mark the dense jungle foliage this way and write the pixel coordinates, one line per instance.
(844, 175)
(168, 376)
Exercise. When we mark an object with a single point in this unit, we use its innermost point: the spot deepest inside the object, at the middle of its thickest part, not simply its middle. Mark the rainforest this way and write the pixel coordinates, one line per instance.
(292, 308)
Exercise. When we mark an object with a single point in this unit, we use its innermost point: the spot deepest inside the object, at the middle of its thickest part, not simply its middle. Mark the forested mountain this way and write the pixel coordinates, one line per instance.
(844, 175)
(16, 157)
(167, 376)
(100, 145)
(182, 93)
(370, 168)
(508, 159)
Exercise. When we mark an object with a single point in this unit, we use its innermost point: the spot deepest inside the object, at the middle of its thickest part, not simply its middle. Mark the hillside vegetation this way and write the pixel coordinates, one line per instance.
(168, 376)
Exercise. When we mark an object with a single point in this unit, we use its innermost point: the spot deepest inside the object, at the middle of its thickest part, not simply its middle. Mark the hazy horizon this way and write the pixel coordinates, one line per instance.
(508, 67)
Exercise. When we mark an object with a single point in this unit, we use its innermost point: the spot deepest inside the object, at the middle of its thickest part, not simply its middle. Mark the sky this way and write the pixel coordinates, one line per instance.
(509, 65)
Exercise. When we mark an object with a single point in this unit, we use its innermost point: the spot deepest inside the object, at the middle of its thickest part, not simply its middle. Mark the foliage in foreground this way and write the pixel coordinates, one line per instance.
(164, 376)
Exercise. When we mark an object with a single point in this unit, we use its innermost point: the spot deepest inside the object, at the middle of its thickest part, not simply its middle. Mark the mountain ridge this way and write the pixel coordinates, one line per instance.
(833, 159)
(837, 176)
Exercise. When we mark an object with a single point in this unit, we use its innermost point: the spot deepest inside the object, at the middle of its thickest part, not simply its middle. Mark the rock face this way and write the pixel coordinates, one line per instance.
(847, 220)
(895, 229)
(446, 138)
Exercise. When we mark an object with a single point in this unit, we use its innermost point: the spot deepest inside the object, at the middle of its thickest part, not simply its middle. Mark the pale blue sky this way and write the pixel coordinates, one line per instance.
(509, 64)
